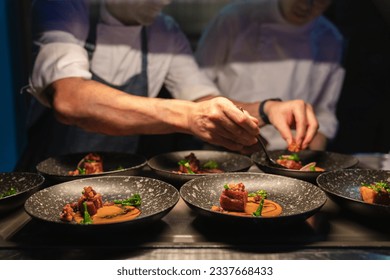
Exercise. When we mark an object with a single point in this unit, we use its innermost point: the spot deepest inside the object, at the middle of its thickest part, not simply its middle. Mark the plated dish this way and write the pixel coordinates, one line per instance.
(298, 199)
(236, 200)
(16, 187)
(73, 166)
(328, 161)
(167, 165)
(158, 198)
(344, 188)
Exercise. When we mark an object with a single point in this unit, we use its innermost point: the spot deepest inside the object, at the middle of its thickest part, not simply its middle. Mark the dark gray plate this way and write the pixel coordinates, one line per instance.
(342, 186)
(299, 199)
(158, 198)
(25, 185)
(56, 168)
(164, 165)
(326, 160)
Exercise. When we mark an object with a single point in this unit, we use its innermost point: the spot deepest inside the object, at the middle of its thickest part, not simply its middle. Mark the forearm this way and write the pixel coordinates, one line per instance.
(99, 108)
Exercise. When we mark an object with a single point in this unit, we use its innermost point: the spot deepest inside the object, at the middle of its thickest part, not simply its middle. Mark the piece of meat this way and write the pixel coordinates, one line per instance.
(289, 163)
(194, 165)
(380, 196)
(90, 164)
(194, 162)
(94, 201)
(234, 198)
(293, 147)
(67, 213)
(93, 167)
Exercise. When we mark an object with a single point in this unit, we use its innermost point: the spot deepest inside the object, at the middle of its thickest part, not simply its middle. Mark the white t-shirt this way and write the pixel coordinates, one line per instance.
(117, 55)
(253, 54)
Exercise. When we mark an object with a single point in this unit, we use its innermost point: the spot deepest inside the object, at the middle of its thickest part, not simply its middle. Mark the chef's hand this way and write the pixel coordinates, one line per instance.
(288, 115)
(219, 122)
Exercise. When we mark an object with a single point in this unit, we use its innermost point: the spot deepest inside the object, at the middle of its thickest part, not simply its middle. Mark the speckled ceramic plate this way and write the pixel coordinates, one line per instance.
(299, 199)
(158, 198)
(326, 160)
(56, 168)
(165, 165)
(342, 186)
(24, 183)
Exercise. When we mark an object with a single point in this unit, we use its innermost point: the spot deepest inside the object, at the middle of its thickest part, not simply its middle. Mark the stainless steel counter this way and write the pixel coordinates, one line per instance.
(329, 234)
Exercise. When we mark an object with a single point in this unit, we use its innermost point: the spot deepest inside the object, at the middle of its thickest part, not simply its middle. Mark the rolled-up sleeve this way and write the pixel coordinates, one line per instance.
(60, 29)
(57, 61)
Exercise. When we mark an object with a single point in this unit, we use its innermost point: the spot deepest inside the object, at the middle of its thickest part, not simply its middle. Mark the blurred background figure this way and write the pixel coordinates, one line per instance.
(261, 49)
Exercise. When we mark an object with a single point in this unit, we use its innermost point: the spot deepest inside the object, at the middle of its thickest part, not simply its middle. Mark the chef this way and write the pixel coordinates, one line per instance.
(98, 69)
(265, 49)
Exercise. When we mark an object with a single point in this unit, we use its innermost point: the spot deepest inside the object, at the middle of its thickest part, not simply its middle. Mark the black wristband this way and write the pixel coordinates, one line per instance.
(262, 114)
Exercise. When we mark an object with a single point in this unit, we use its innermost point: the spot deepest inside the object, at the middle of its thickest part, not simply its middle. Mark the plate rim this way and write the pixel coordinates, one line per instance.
(59, 222)
(315, 173)
(350, 199)
(84, 176)
(250, 218)
(37, 185)
(151, 166)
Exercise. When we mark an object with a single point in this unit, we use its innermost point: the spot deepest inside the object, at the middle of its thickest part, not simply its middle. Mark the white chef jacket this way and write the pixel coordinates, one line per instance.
(253, 54)
(117, 57)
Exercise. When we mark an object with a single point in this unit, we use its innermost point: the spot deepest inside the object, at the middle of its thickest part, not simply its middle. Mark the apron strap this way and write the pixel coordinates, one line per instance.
(94, 15)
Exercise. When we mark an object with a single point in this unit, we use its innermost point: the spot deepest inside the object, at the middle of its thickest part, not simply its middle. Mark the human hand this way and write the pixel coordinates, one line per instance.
(288, 115)
(218, 121)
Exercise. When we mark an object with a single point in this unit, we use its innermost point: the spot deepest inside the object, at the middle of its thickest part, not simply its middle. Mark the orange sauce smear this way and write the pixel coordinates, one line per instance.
(111, 214)
(270, 209)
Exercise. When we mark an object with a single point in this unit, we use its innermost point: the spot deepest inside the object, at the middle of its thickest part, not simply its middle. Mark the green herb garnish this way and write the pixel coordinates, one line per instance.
(87, 218)
(312, 168)
(9, 192)
(378, 186)
(186, 164)
(293, 157)
(226, 186)
(135, 200)
(211, 164)
(263, 194)
(82, 171)
(257, 213)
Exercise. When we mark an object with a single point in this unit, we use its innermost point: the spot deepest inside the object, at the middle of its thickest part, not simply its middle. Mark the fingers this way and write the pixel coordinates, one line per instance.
(220, 122)
(241, 118)
(236, 124)
(294, 114)
(282, 118)
(312, 126)
(299, 114)
(285, 131)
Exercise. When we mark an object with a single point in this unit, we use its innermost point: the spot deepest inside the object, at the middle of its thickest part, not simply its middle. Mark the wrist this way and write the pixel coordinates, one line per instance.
(262, 113)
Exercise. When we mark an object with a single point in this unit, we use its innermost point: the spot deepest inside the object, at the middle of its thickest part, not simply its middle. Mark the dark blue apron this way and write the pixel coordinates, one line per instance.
(79, 140)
